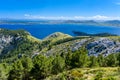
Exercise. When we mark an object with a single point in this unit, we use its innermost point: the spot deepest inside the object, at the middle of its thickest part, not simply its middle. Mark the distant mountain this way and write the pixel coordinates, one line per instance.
(81, 22)
(96, 23)
(112, 23)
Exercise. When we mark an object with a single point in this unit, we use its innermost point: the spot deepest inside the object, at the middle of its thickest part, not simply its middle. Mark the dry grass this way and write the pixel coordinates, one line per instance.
(104, 73)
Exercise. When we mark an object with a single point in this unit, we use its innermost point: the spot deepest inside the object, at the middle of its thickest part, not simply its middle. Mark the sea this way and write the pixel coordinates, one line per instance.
(43, 30)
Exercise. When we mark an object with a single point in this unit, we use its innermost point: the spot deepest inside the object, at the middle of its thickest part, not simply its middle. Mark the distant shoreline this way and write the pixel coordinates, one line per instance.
(109, 23)
(65, 24)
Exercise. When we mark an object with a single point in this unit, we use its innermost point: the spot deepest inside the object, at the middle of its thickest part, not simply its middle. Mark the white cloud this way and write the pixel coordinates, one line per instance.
(26, 15)
(46, 17)
(100, 17)
(118, 3)
(79, 17)
(96, 17)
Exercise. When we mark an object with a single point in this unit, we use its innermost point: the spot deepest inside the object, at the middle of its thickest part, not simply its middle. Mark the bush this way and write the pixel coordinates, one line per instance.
(119, 69)
(76, 73)
(99, 76)
(63, 77)
(58, 65)
(109, 78)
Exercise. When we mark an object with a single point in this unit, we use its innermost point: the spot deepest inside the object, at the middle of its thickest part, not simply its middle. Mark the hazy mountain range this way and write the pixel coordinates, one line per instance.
(81, 22)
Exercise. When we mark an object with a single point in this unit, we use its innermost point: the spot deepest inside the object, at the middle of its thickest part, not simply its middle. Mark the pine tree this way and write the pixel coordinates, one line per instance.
(27, 64)
(101, 60)
(118, 59)
(79, 58)
(17, 71)
(68, 58)
(93, 61)
(111, 60)
(41, 67)
(58, 64)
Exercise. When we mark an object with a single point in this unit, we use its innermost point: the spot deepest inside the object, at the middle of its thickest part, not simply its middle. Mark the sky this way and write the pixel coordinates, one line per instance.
(60, 9)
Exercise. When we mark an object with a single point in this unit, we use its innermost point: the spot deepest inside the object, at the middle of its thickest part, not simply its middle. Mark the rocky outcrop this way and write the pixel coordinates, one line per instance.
(98, 46)
(8, 42)
(78, 45)
(103, 46)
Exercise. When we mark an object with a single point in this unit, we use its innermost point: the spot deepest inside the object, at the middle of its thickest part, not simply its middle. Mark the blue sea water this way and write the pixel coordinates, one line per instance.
(42, 30)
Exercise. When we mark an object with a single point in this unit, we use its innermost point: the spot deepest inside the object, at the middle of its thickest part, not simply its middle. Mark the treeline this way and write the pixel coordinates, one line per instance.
(39, 67)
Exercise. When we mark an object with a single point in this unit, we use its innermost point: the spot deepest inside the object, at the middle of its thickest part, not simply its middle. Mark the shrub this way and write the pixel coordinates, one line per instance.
(58, 65)
(63, 77)
(109, 78)
(98, 76)
(76, 73)
(119, 69)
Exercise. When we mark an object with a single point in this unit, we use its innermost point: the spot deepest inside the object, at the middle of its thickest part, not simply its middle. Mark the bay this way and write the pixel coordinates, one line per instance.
(42, 30)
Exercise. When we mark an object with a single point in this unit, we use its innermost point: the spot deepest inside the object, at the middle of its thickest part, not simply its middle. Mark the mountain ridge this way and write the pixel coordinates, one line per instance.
(16, 42)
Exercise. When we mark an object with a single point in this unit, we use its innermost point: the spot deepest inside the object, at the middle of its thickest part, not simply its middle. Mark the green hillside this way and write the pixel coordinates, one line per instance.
(58, 57)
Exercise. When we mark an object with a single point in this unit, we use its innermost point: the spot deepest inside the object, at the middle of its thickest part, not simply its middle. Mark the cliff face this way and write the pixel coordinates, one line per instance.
(14, 42)
(8, 43)
(103, 46)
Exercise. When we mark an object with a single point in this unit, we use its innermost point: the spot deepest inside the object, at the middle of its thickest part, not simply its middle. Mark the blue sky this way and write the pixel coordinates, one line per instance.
(60, 9)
